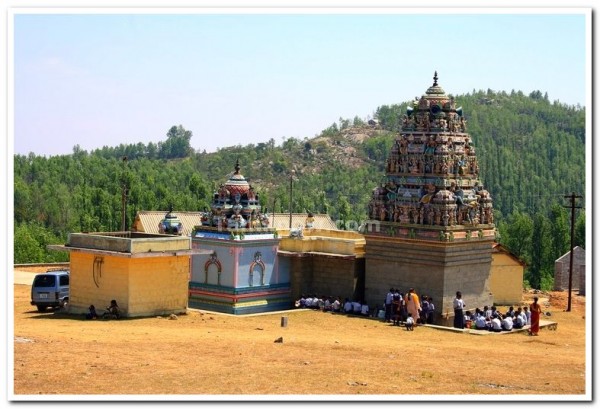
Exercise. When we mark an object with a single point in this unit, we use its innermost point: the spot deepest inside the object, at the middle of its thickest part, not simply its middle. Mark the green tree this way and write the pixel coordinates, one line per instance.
(540, 248)
(559, 232)
(516, 235)
(177, 144)
(344, 210)
(580, 230)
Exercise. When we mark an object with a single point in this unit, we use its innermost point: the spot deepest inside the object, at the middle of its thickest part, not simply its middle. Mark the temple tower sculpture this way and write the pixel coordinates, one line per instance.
(431, 221)
(238, 272)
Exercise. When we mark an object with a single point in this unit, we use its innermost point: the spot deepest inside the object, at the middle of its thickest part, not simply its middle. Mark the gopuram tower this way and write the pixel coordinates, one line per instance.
(431, 224)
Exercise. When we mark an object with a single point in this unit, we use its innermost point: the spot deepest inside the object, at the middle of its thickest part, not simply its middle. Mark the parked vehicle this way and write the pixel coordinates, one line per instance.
(50, 289)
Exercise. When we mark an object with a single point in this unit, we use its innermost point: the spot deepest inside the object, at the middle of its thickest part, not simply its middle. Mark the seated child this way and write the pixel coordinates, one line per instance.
(364, 309)
(91, 315)
(113, 309)
(410, 322)
(468, 319)
(507, 322)
(496, 324)
(519, 321)
(480, 322)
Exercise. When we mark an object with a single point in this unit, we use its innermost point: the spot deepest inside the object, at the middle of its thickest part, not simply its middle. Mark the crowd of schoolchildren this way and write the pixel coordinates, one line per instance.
(398, 308)
(410, 310)
(334, 304)
(490, 319)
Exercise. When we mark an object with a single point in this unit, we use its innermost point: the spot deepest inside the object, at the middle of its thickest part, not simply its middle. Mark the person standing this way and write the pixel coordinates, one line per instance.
(388, 305)
(536, 311)
(413, 306)
(459, 305)
(430, 311)
(424, 309)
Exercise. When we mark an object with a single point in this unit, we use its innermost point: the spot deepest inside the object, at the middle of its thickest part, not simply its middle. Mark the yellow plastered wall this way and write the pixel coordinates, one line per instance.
(142, 286)
(506, 279)
(158, 286)
(97, 280)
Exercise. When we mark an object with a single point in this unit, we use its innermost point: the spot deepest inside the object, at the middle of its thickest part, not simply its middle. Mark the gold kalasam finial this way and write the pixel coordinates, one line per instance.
(435, 78)
(237, 166)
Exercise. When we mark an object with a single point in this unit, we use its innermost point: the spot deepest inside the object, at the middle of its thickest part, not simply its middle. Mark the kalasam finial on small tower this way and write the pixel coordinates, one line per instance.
(237, 166)
(435, 78)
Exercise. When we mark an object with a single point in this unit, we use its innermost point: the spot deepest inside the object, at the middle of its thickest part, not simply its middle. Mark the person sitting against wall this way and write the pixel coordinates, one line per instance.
(301, 302)
(91, 315)
(356, 307)
(327, 303)
(364, 309)
(336, 305)
(113, 310)
(348, 306)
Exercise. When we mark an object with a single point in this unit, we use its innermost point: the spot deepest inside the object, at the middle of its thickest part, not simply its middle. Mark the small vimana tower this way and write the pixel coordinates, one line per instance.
(431, 221)
(238, 272)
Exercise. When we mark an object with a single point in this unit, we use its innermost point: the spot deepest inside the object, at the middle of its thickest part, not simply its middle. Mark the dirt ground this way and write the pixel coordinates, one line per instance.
(213, 357)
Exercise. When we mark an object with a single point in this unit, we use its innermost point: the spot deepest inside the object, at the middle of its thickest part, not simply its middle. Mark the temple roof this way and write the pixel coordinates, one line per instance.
(435, 90)
(146, 221)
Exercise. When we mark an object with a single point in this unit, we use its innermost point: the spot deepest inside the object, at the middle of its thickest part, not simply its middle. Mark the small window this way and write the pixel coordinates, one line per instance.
(64, 280)
(46, 280)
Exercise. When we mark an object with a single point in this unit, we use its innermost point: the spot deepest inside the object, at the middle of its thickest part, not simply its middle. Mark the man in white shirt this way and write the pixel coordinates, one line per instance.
(388, 305)
(336, 305)
(347, 306)
(496, 324)
(507, 323)
(480, 322)
(519, 321)
(364, 310)
(356, 307)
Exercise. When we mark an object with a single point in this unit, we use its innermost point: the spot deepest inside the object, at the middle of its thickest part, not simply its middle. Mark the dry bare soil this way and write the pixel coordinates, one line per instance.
(206, 356)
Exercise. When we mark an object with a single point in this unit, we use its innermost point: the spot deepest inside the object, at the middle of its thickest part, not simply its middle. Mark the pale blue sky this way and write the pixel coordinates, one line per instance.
(96, 80)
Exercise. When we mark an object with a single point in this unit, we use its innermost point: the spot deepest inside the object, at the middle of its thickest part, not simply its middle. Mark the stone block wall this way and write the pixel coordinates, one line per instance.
(434, 269)
(561, 270)
(326, 275)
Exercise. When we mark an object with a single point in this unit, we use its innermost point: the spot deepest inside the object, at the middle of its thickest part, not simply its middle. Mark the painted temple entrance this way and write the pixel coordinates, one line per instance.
(433, 224)
(239, 273)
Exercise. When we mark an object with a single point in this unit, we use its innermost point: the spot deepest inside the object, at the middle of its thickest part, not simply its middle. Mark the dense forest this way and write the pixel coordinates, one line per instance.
(531, 153)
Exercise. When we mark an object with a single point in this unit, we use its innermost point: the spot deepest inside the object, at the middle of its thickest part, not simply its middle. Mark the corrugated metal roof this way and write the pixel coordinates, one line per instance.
(147, 221)
(281, 221)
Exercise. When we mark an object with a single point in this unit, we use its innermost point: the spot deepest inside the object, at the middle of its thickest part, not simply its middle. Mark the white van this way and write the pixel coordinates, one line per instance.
(50, 289)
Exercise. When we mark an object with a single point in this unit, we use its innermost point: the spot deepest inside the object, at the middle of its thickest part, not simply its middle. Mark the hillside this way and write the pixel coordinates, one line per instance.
(531, 153)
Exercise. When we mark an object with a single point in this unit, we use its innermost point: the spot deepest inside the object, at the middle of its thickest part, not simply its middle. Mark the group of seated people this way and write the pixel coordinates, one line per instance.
(333, 304)
(490, 319)
(112, 311)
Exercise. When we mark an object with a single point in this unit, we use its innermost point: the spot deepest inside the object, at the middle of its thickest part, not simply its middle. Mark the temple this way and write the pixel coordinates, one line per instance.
(238, 273)
(431, 219)
(431, 228)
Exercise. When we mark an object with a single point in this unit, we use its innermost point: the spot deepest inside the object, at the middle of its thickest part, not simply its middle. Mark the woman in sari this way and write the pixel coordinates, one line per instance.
(413, 305)
(536, 311)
